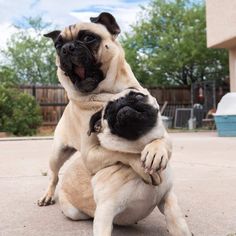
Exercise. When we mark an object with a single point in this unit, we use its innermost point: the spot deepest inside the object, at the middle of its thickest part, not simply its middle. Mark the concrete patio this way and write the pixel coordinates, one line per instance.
(205, 182)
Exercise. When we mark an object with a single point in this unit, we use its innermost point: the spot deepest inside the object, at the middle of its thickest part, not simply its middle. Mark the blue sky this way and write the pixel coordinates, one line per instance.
(65, 12)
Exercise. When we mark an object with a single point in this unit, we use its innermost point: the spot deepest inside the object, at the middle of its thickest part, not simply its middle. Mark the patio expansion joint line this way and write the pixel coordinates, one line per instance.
(26, 139)
(204, 164)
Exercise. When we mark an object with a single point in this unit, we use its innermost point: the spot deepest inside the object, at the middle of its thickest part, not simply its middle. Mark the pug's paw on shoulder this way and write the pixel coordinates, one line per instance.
(154, 157)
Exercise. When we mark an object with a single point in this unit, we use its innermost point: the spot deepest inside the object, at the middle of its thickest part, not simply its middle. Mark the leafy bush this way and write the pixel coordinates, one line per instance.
(19, 112)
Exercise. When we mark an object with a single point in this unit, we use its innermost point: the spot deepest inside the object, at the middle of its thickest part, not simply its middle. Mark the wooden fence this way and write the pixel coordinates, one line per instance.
(177, 97)
(173, 95)
(53, 99)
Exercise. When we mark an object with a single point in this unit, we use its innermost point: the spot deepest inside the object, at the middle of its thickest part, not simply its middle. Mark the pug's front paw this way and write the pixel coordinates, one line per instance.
(154, 157)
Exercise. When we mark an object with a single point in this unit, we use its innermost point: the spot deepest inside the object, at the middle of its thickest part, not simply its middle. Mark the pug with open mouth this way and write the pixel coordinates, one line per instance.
(77, 59)
(92, 68)
(126, 124)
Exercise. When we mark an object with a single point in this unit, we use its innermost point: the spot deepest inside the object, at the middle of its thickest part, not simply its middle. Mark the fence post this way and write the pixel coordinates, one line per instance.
(34, 90)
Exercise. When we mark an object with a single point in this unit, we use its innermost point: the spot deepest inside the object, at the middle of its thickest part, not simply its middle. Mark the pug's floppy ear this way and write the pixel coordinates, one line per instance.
(95, 123)
(107, 20)
(53, 35)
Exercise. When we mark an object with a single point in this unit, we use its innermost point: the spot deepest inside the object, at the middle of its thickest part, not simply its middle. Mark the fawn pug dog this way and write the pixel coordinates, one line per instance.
(116, 194)
(91, 67)
(130, 121)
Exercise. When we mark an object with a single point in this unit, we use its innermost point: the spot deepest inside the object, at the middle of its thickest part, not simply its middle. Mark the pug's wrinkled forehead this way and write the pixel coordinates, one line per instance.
(75, 31)
(104, 25)
(142, 92)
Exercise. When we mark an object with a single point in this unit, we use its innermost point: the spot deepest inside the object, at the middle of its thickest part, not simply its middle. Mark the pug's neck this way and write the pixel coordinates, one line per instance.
(118, 75)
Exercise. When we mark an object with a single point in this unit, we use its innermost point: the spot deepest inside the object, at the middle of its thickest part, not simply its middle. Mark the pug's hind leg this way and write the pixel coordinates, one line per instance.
(69, 210)
(175, 221)
(103, 219)
(60, 154)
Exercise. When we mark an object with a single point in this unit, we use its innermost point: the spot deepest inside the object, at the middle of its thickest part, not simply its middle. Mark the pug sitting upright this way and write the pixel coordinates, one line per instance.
(115, 194)
(91, 66)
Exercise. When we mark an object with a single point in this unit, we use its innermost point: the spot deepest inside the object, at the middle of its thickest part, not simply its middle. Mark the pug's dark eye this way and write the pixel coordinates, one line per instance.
(139, 96)
(88, 38)
(58, 46)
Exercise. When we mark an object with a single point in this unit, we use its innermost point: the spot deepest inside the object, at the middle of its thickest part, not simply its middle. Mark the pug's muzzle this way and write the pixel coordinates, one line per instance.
(131, 116)
(78, 62)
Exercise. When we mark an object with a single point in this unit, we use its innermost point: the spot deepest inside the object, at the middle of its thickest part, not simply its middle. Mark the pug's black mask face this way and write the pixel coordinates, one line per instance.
(131, 116)
(77, 60)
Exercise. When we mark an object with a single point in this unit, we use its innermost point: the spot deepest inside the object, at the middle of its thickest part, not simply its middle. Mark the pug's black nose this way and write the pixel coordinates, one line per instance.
(64, 51)
(71, 48)
(68, 48)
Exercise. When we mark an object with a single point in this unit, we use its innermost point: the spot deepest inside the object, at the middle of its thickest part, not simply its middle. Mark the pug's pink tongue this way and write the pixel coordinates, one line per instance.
(80, 71)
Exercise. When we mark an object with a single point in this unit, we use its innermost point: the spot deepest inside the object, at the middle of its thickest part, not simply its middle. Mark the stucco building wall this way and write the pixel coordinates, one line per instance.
(221, 31)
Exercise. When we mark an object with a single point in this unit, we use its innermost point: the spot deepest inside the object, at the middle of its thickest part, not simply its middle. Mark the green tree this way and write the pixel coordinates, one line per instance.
(29, 57)
(168, 45)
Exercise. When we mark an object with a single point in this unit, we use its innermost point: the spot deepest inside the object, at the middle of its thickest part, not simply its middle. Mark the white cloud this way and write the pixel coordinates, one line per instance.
(125, 15)
(12, 9)
(6, 30)
(63, 13)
